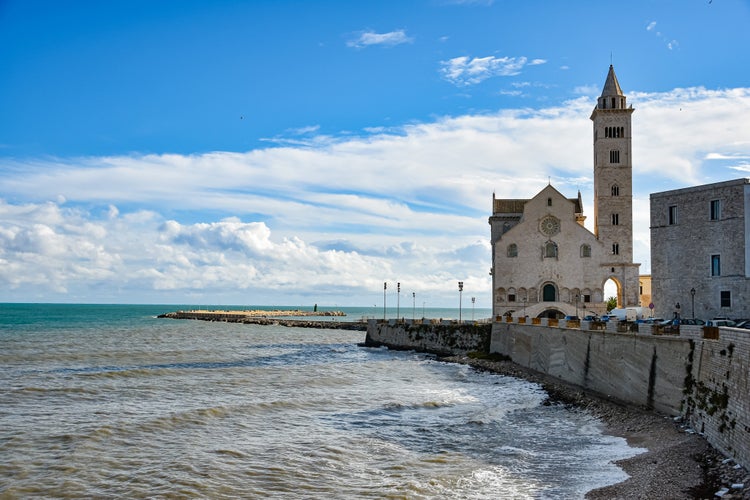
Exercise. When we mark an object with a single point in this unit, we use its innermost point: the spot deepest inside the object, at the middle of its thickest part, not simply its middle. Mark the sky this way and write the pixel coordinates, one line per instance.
(297, 153)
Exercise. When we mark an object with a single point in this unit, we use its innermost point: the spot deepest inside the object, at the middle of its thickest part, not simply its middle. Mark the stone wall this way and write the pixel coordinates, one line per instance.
(702, 374)
(703, 379)
(639, 369)
(717, 391)
(440, 337)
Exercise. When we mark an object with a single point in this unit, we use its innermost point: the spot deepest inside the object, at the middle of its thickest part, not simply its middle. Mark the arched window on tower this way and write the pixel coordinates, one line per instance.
(585, 250)
(615, 190)
(512, 250)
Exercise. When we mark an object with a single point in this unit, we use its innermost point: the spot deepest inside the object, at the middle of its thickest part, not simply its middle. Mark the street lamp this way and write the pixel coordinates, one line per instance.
(385, 287)
(473, 299)
(398, 301)
(692, 298)
(524, 306)
(677, 310)
(577, 297)
(413, 305)
(460, 294)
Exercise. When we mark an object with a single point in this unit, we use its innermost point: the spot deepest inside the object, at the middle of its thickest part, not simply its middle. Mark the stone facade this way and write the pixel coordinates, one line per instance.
(544, 261)
(699, 241)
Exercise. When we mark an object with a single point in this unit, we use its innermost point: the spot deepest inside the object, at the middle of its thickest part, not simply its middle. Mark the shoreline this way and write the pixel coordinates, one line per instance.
(678, 463)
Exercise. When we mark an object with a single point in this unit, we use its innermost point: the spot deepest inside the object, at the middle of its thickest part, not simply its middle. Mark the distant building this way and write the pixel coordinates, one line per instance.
(644, 292)
(700, 256)
(544, 261)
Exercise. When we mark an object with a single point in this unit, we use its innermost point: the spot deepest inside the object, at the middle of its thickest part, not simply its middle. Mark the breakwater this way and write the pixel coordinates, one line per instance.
(698, 373)
(278, 317)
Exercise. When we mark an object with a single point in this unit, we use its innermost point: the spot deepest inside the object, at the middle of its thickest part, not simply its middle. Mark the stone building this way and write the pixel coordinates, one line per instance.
(699, 251)
(544, 261)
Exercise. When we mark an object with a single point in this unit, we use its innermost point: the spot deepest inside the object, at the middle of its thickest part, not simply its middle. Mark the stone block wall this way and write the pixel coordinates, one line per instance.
(647, 371)
(717, 391)
(438, 338)
(705, 380)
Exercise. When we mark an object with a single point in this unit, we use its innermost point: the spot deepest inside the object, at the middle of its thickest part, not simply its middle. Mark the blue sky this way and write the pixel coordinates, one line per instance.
(279, 152)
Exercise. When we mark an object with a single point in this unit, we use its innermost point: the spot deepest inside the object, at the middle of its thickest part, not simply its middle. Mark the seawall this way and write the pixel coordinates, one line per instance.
(701, 374)
(437, 337)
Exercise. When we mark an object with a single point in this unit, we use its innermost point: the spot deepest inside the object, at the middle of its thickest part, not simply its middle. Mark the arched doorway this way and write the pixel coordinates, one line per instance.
(613, 289)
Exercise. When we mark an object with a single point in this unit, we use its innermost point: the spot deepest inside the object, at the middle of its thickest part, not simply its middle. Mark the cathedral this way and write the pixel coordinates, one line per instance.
(545, 263)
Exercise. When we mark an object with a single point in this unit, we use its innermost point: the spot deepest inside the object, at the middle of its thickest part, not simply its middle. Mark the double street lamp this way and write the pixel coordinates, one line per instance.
(398, 301)
(460, 293)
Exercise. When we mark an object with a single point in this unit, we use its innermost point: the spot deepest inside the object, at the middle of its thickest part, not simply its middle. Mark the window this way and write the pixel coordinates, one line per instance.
(549, 293)
(511, 297)
(715, 209)
(615, 219)
(614, 156)
(615, 249)
(587, 298)
(585, 250)
(716, 265)
(615, 190)
(672, 215)
(512, 250)
(549, 202)
(550, 250)
(726, 298)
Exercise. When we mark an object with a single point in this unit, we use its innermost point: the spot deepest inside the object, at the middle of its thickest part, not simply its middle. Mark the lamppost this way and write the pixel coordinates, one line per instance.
(398, 301)
(524, 306)
(460, 294)
(692, 298)
(677, 311)
(473, 299)
(385, 287)
(577, 296)
(413, 305)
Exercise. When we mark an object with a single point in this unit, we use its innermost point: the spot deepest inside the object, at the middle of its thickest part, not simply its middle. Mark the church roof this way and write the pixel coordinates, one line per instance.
(611, 86)
(515, 206)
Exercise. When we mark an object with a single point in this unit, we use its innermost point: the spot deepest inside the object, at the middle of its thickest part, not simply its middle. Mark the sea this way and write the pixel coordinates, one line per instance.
(109, 401)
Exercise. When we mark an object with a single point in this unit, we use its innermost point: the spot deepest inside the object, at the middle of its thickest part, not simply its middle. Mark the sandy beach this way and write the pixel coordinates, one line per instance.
(679, 463)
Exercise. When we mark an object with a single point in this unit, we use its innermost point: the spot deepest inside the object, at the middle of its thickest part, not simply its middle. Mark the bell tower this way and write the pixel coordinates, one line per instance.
(613, 187)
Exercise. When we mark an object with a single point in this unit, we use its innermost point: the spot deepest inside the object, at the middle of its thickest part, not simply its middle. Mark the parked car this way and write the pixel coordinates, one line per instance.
(692, 321)
(572, 318)
(591, 317)
(606, 317)
(651, 321)
(720, 322)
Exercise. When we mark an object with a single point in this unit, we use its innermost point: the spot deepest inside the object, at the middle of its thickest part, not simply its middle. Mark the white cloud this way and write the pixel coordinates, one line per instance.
(671, 44)
(463, 71)
(330, 221)
(390, 39)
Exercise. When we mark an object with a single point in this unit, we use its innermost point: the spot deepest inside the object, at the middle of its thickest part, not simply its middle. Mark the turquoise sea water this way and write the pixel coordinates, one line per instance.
(109, 401)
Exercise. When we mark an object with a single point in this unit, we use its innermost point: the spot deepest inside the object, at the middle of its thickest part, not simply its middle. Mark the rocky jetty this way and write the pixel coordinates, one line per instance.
(273, 317)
